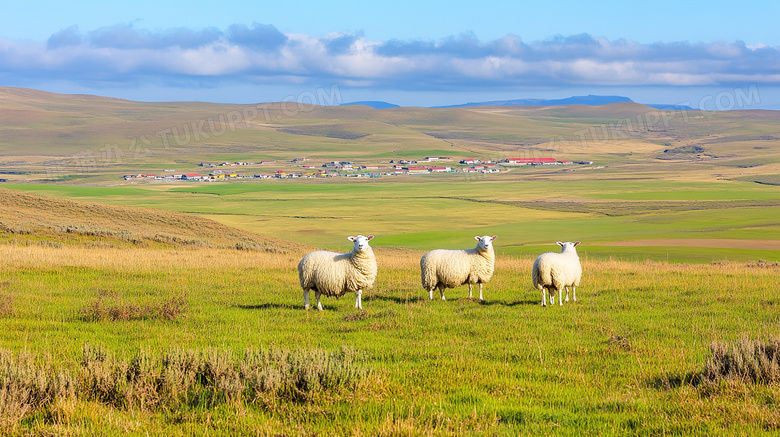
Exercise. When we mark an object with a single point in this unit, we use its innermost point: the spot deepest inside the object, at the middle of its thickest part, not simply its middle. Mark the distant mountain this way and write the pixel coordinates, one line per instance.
(373, 104)
(589, 100)
(670, 107)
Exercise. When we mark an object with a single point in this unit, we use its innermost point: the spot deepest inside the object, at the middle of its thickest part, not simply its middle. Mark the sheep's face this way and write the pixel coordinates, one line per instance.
(361, 242)
(485, 241)
(568, 246)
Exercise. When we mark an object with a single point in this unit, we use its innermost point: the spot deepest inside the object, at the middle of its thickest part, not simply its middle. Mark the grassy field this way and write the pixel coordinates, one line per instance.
(628, 358)
(93, 324)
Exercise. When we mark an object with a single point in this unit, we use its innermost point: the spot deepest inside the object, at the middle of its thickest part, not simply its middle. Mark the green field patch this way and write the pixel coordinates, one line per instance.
(630, 208)
(76, 191)
(762, 179)
(665, 191)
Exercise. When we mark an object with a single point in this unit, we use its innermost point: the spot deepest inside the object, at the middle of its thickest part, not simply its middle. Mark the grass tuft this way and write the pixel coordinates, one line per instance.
(180, 377)
(620, 342)
(7, 306)
(98, 311)
(763, 264)
(26, 386)
(746, 360)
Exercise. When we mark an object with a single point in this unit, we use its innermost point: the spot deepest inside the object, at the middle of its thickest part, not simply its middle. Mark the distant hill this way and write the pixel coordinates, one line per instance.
(372, 104)
(589, 100)
(30, 216)
(68, 139)
(670, 107)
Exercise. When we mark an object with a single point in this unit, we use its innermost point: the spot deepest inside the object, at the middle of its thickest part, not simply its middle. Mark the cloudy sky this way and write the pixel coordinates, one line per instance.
(711, 54)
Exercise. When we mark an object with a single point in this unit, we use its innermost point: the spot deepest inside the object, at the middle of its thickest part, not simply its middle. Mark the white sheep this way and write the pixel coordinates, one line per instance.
(442, 268)
(556, 271)
(334, 274)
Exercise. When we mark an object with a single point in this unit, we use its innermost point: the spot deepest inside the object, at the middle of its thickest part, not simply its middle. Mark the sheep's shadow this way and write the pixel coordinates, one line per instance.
(399, 300)
(295, 307)
(666, 382)
(511, 304)
(266, 306)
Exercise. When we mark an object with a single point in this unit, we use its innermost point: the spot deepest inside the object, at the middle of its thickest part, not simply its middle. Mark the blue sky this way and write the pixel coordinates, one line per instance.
(421, 53)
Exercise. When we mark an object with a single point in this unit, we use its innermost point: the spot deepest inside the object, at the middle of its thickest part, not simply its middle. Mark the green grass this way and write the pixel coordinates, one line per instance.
(622, 360)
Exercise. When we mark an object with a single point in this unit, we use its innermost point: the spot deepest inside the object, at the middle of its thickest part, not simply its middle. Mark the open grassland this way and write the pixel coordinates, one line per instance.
(629, 358)
(612, 218)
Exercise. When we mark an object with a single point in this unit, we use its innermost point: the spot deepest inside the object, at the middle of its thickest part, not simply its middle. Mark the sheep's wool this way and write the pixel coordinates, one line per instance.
(335, 274)
(557, 270)
(444, 268)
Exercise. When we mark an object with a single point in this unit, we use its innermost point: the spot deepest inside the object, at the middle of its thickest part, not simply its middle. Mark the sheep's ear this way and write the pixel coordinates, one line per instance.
(559, 243)
(493, 237)
(351, 238)
(370, 237)
(477, 237)
(576, 243)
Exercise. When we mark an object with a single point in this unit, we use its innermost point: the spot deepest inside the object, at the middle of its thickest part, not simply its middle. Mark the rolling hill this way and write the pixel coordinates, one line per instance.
(26, 217)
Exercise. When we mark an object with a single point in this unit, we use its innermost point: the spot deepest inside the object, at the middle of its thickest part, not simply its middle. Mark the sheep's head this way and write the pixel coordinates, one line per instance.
(361, 242)
(485, 241)
(568, 246)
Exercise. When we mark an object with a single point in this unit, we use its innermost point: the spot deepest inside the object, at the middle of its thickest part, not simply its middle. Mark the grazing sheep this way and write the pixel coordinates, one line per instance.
(442, 268)
(556, 271)
(334, 274)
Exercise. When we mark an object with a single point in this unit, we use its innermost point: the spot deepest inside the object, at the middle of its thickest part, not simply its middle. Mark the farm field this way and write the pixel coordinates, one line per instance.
(175, 309)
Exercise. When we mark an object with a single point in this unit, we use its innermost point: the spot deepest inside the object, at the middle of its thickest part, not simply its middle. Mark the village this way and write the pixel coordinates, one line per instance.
(224, 171)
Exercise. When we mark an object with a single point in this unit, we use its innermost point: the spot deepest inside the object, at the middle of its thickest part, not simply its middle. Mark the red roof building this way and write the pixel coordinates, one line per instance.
(531, 161)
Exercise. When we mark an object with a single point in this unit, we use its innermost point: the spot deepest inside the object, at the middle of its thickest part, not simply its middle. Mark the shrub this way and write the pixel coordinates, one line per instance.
(169, 309)
(6, 306)
(178, 378)
(25, 386)
(300, 375)
(745, 360)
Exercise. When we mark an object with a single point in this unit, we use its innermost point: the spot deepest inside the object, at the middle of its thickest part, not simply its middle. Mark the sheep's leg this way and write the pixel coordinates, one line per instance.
(567, 294)
(544, 296)
(469, 290)
(560, 296)
(358, 301)
(430, 294)
(306, 299)
(441, 290)
(319, 304)
(574, 293)
(552, 295)
(480, 291)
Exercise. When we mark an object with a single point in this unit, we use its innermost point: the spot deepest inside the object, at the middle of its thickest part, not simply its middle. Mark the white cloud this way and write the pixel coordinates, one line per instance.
(261, 53)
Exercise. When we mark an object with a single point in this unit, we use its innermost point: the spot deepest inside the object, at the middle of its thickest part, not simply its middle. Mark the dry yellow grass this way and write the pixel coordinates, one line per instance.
(138, 259)
(24, 214)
